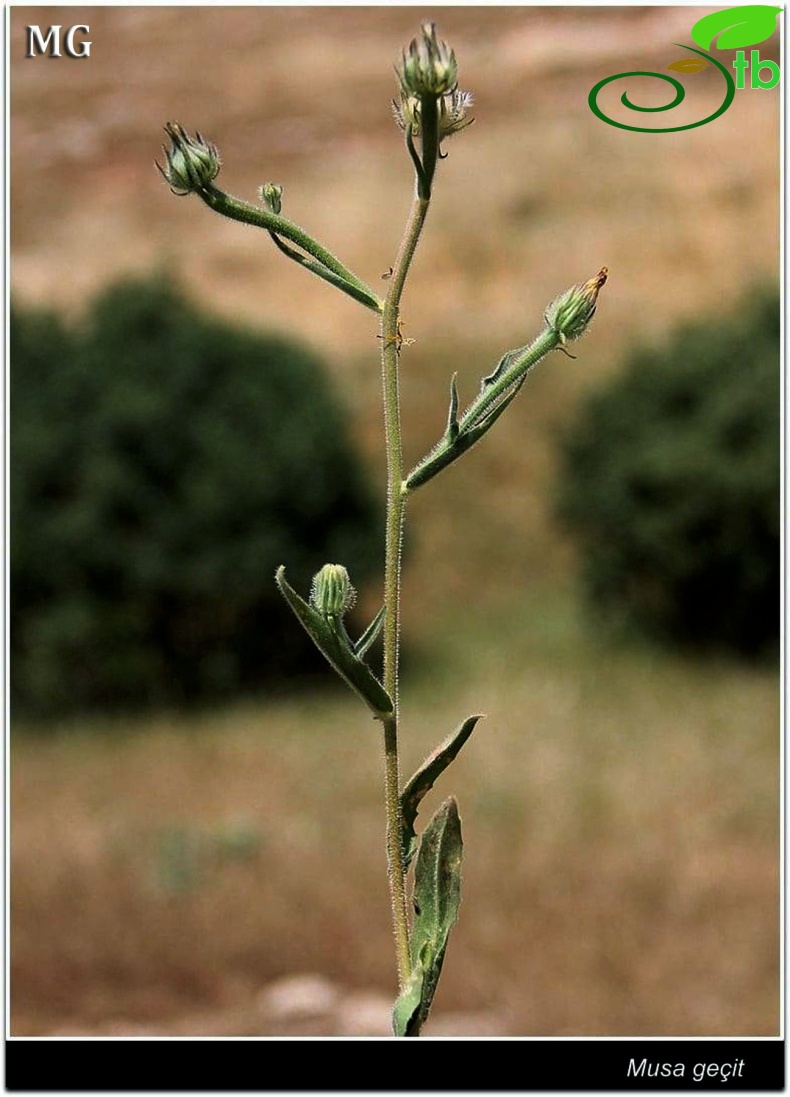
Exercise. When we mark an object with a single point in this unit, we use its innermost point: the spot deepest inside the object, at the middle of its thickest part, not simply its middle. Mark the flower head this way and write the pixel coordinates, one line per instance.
(429, 66)
(332, 593)
(571, 312)
(192, 162)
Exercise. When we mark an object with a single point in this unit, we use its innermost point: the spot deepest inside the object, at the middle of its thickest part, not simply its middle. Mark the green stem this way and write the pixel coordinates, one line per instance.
(390, 339)
(548, 340)
(247, 214)
(429, 127)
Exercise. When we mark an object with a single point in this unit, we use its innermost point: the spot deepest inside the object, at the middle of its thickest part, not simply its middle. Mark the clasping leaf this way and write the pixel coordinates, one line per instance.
(437, 896)
(423, 781)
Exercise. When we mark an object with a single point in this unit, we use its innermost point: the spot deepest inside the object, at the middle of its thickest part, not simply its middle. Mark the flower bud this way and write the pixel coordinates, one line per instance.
(570, 313)
(191, 161)
(429, 66)
(331, 593)
(272, 196)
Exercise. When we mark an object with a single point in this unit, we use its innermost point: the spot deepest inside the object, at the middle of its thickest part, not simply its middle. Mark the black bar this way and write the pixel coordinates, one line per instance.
(488, 1065)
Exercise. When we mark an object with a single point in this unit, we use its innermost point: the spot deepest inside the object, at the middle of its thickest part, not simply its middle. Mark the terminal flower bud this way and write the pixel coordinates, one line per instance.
(429, 66)
(570, 313)
(192, 162)
(332, 593)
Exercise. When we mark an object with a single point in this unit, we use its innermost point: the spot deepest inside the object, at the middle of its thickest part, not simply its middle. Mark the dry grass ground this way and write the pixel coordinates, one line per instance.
(621, 877)
(620, 806)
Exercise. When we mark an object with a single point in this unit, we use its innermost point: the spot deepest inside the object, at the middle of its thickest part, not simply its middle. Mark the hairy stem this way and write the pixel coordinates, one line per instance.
(518, 367)
(390, 349)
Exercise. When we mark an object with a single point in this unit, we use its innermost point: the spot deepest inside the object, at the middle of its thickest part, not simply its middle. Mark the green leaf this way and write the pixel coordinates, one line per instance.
(423, 781)
(330, 639)
(368, 637)
(452, 414)
(437, 896)
(406, 1012)
(736, 27)
(503, 363)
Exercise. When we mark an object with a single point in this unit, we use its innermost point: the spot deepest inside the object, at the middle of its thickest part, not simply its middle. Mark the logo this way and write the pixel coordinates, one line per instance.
(734, 28)
(36, 41)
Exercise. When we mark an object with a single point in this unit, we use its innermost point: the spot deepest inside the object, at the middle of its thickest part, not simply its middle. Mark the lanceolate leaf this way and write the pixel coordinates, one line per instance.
(452, 414)
(437, 896)
(330, 638)
(423, 781)
(500, 367)
(370, 634)
(437, 879)
(736, 27)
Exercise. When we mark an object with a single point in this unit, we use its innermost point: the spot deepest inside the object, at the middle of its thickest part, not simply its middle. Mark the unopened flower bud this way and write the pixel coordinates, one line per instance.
(272, 196)
(571, 312)
(332, 594)
(192, 162)
(429, 66)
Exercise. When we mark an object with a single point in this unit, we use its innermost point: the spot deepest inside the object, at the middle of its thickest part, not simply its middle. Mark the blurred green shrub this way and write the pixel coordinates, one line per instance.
(185, 858)
(671, 487)
(163, 463)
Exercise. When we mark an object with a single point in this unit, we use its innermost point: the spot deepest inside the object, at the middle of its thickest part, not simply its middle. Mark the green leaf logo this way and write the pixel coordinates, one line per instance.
(736, 27)
(688, 64)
